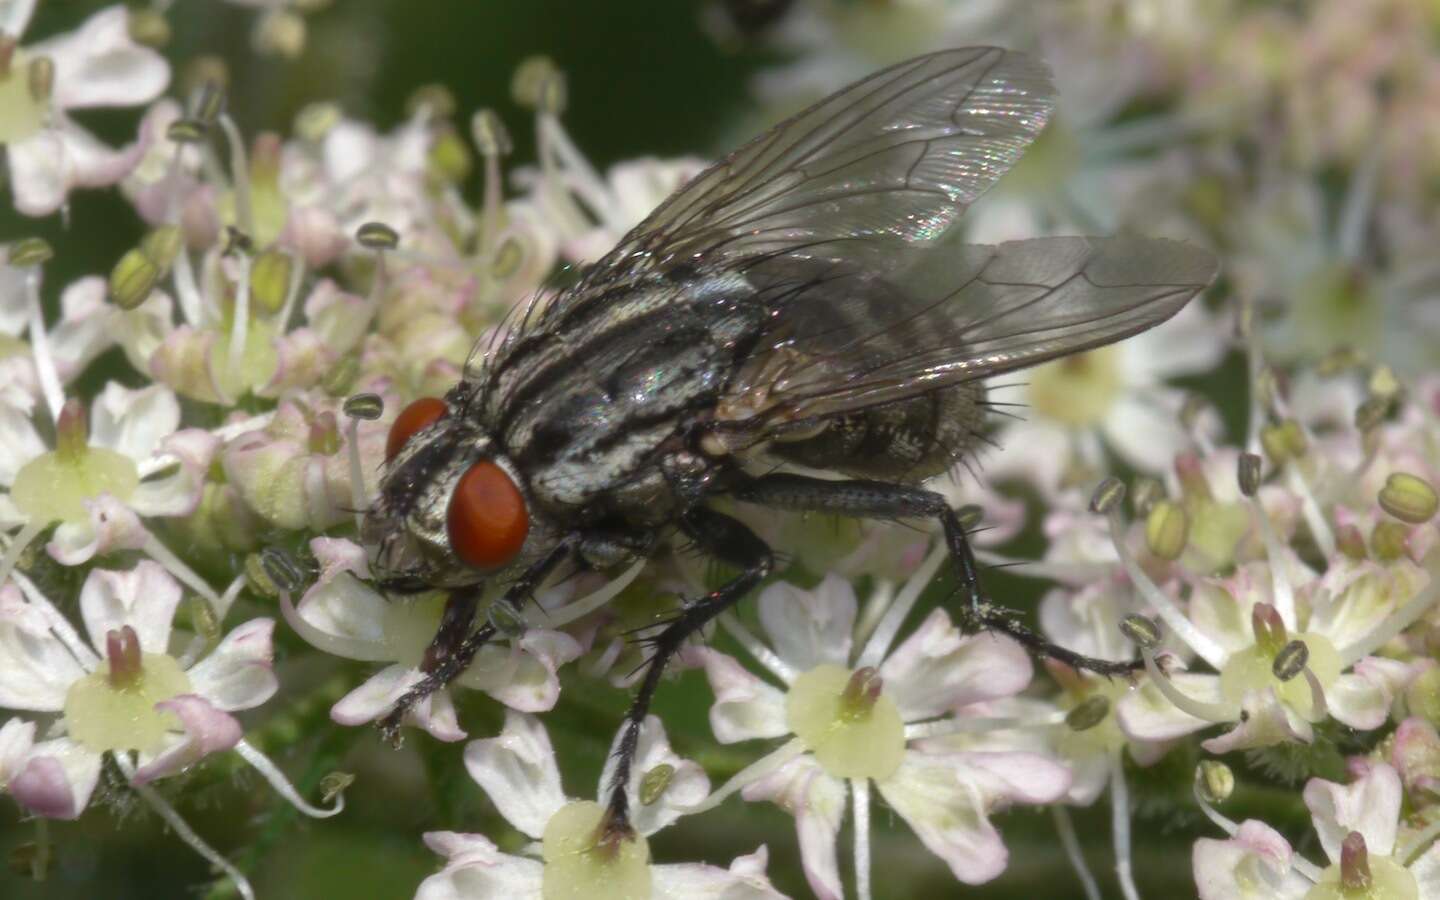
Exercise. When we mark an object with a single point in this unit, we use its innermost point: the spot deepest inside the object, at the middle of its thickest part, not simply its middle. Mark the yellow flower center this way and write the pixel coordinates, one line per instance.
(410, 625)
(21, 115)
(1253, 669)
(579, 868)
(102, 715)
(54, 486)
(849, 739)
(1388, 881)
(1078, 390)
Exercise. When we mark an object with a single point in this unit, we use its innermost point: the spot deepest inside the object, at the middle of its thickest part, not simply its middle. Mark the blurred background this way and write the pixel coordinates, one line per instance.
(676, 77)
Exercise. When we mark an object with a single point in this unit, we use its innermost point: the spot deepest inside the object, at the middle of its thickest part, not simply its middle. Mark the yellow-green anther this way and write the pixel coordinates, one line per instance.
(315, 120)
(270, 276)
(1383, 382)
(529, 80)
(1294, 437)
(1355, 865)
(1215, 780)
(553, 94)
(449, 157)
(1409, 498)
(281, 569)
(969, 516)
(861, 691)
(1142, 631)
(187, 131)
(377, 236)
(1108, 494)
(1266, 387)
(1273, 441)
(1291, 660)
(208, 104)
(1091, 712)
(162, 245)
(1341, 359)
(1167, 528)
(30, 252)
(334, 784)
(1145, 493)
(1388, 540)
(506, 620)
(653, 785)
(491, 136)
(133, 279)
(72, 431)
(148, 27)
(41, 74)
(203, 620)
(257, 576)
(1248, 473)
(434, 99)
(364, 406)
(1372, 412)
(342, 375)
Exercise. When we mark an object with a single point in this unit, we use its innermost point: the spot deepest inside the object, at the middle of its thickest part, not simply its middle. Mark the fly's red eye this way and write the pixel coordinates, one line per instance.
(412, 418)
(487, 520)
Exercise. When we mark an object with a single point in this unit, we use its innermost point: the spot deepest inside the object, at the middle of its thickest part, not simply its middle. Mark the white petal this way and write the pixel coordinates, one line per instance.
(99, 65)
(19, 442)
(111, 526)
(57, 780)
(144, 598)
(1371, 806)
(36, 670)
(375, 696)
(1254, 865)
(688, 785)
(808, 628)
(1264, 721)
(817, 801)
(746, 707)
(15, 15)
(176, 490)
(237, 674)
(16, 738)
(523, 676)
(1148, 715)
(39, 175)
(133, 422)
(1144, 433)
(949, 819)
(346, 607)
(937, 669)
(700, 882)
(517, 769)
(475, 868)
(1358, 701)
(207, 730)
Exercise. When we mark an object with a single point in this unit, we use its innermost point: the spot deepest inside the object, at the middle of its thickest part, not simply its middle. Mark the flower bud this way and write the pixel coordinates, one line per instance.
(1107, 496)
(1248, 473)
(148, 27)
(1215, 780)
(653, 785)
(270, 276)
(1291, 660)
(1269, 628)
(377, 236)
(1422, 696)
(1283, 441)
(489, 133)
(41, 74)
(1383, 382)
(1408, 498)
(861, 691)
(449, 158)
(30, 252)
(1142, 631)
(1089, 713)
(1166, 530)
(1351, 542)
(133, 279)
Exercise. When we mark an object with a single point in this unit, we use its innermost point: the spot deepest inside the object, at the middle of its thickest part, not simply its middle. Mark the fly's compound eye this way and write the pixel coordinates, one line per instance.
(487, 520)
(412, 419)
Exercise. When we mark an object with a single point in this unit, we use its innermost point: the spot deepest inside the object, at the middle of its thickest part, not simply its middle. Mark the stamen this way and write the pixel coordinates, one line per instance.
(45, 370)
(240, 325)
(1354, 864)
(577, 609)
(979, 725)
(122, 651)
(1300, 864)
(334, 644)
(860, 798)
(240, 174)
(182, 572)
(271, 773)
(765, 765)
(879, 644)
(1120, 827)
(1066, 829)
(1209, 712)
(1319, 709)
(757, 649)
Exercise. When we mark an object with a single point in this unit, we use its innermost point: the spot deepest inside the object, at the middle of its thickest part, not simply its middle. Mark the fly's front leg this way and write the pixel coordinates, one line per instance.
(457, 640)
(878, 500)
(731, 542)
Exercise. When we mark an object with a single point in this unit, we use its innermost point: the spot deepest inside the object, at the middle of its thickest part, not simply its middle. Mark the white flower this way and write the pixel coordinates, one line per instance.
(857, 715)
(96, 65)
(82, 333)
(518, 771)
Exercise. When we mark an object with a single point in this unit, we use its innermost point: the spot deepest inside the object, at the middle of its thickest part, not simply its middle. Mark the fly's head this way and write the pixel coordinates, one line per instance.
(451, 511)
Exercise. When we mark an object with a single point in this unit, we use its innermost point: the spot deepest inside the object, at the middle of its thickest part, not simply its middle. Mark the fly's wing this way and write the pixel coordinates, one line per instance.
(846, 340)
(890, 161)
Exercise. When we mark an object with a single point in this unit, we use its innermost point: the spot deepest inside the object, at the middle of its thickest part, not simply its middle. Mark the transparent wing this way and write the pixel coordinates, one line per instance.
(848, 339)
(893, 159)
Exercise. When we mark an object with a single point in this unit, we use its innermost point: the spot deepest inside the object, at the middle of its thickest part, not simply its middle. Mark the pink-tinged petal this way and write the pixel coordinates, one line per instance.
(1010, 776)
(1148, 715)
(207, 730)
(688, 785)
(237, 674)
(1254, 865)
(344, 607)
(144, 598)
(182, 360)
(16, 738)
(336, 555)
(817, 801)
(1191, 341)
(1089, 776)
(99, 65)
(1264, 722)
(36, 670)
(375, 696)
(937, 669)
(475, 868)
(315, 234)
(303, 357)
(1035, 452)
(1358, 701)
(523, 676)
(1370, 805)
(746, 707)
(112, 526)
(341, 318)
(437, 716)
(808, 628)
(177, 491)
(58, 779)
(1416, 755)
(517, 769)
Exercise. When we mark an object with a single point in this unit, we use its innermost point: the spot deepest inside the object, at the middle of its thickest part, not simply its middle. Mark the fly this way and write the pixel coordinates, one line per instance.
(803, 304)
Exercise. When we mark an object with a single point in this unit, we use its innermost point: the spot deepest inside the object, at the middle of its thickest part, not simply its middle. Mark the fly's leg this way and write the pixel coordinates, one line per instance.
(878, 500)
(457, 640)
(731, 542)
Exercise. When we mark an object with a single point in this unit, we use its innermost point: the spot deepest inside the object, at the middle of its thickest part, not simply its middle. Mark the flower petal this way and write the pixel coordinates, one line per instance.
(111, 526)
(1370, 805)
(36, 670)
(523, 676)
(817, 801)
(688, 783)
(99, 65)
(16, 738)
(237, 674)
(937, 669)
(58, 779)
(517, 769)
(133, 422)
(746, 707)
(207, 730)
(474, 867)
(145, 598)
(1254, 864)
(808, 628)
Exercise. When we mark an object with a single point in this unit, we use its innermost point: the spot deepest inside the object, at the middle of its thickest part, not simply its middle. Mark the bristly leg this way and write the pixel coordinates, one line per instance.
(731, 542)
(879, 500)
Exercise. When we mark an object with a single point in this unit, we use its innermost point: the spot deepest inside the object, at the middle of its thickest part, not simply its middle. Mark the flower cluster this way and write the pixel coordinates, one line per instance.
(189, 433)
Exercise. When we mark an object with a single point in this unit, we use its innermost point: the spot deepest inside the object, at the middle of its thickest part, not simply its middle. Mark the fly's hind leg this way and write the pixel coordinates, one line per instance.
(879, 500)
